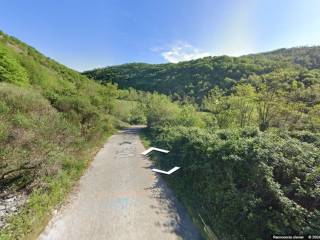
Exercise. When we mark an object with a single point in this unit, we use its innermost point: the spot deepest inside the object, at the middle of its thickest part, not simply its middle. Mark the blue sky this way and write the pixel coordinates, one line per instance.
(96, 33)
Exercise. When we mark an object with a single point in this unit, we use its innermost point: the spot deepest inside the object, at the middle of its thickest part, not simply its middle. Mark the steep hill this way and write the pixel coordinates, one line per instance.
(195, 78)
(51, 120)
(308, 57)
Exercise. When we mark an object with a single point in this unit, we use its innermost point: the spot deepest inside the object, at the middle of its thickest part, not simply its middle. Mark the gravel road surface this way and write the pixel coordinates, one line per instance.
(120, 198)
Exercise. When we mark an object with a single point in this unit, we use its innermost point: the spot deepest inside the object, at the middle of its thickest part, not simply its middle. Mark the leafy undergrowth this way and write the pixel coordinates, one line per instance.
(146, 139)
(41, 153)
(244, 184)
(51, 120)
(238, 183)
(34, 216)
(129, 111)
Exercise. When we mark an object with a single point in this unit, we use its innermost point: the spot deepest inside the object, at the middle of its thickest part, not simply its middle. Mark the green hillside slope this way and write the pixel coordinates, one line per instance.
(51, 120)
(308, 57)
(195, 78)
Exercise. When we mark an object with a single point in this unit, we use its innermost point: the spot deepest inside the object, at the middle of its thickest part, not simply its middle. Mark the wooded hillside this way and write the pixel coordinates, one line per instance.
(194, 79)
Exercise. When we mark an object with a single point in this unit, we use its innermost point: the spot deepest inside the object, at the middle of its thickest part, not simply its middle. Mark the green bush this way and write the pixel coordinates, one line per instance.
(30, 129)
(10, 69)
(246, 184)
(138, 114)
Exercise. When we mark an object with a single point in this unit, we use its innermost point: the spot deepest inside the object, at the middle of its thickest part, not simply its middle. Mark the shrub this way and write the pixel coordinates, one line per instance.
(30, 130)
(10, 69)
(246, 184)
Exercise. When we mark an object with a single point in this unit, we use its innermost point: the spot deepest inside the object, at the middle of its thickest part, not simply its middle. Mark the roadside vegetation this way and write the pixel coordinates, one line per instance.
(246, 132)
(52, 119)
(250, 164)
(250, 155)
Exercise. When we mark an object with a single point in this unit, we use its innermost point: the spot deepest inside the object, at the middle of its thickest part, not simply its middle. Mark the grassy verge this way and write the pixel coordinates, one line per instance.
(205, 230)
(31, 220)
(145, 137)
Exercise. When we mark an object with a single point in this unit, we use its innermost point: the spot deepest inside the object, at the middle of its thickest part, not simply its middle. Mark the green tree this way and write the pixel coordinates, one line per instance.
(243, 104)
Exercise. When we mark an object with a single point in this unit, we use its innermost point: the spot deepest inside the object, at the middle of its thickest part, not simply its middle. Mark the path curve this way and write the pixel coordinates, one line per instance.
(120, 198)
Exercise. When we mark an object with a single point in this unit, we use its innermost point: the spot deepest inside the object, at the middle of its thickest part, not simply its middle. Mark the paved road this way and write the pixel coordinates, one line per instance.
(119, 197)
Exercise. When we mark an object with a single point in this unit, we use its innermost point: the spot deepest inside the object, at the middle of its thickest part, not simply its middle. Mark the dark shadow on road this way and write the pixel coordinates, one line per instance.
(180, 222)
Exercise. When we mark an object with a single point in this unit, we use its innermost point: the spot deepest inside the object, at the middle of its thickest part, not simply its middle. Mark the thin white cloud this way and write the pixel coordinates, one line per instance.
(181, 51)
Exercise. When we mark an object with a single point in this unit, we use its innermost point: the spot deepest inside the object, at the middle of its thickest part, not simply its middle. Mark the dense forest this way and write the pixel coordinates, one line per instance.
(194, 79)
(245, 132)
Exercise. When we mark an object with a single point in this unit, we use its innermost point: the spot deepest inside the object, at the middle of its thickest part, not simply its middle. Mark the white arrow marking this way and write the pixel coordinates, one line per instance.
(164, 172)
(156, 149)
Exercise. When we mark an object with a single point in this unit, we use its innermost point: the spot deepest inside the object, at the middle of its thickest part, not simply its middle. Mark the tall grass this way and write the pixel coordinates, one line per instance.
(42, 153)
